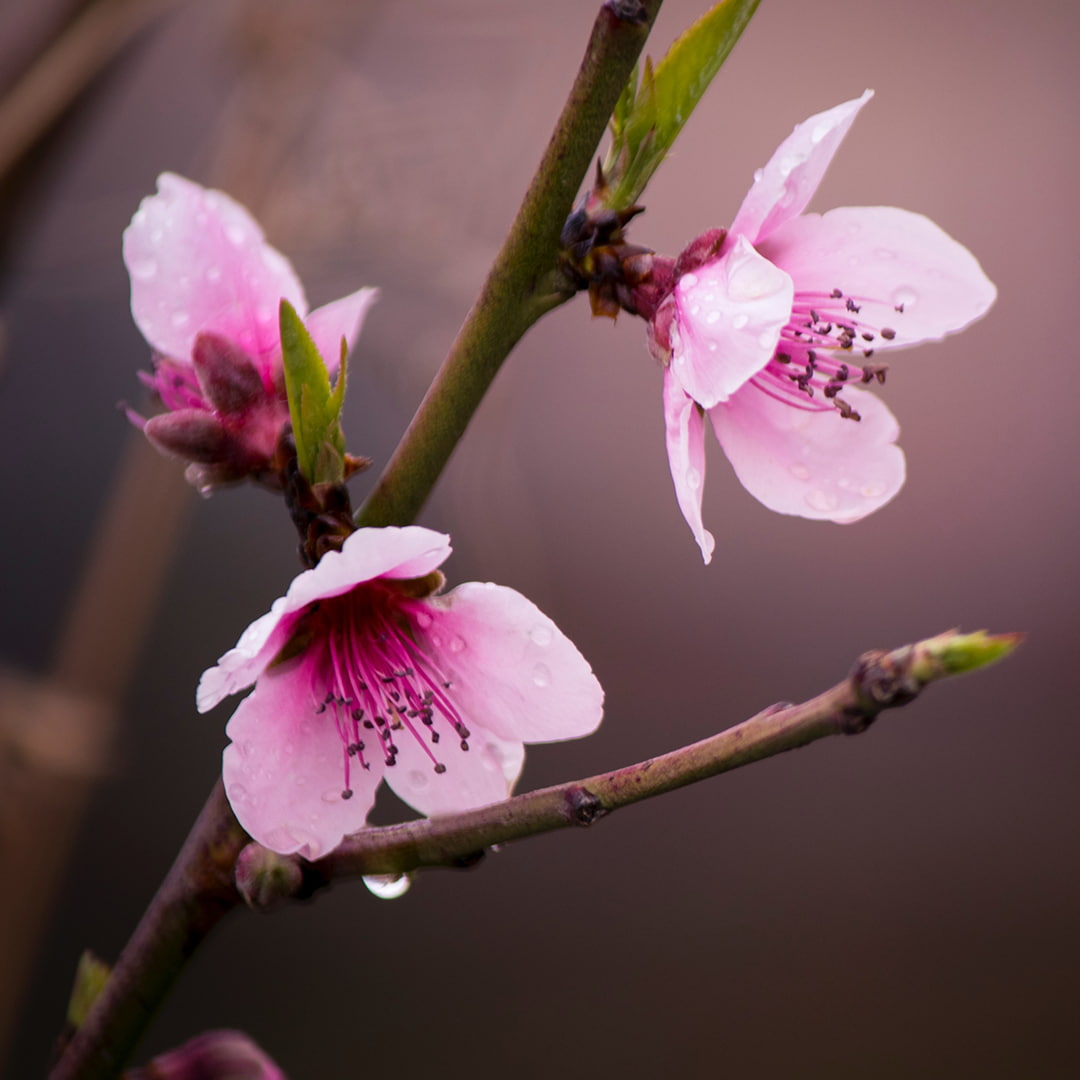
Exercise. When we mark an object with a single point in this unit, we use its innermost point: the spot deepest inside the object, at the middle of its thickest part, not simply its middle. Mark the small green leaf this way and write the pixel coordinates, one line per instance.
(650, 116)
(314, 406)
(90, 978)
(957, 653)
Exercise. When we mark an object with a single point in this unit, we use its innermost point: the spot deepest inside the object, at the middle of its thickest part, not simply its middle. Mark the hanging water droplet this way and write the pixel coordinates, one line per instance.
(740, 321)
(693, 478)
(541, 635)
(541, 675)
(799, 471)
(387, 886)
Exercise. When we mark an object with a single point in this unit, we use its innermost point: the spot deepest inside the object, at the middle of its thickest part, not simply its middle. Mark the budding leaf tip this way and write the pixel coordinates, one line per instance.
(957, 653)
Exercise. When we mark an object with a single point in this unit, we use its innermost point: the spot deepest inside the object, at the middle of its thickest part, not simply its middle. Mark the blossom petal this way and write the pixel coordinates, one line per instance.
(809, 462)
(883, 258)
(339, 319)
(728, 319)
(483, 774)
(284, 770)
(513, 672)
(199, 261)
(685, 430)
(367, 554)
(237, 669)
(782, 190)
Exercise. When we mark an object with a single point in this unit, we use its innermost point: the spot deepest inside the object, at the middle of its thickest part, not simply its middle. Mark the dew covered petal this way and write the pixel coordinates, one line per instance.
(283, 770)
(809, 462)
(339, 319)
(199, 262)
(685, 430)
(784, 187)
(513, 672)
(483, 774)
(729, 315)
(904, 271)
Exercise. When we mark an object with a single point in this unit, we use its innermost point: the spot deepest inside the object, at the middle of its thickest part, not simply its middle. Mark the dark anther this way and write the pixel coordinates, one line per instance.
(888, 333)
(846, 411)
(868, 353)
(836, 294)
(347, 793)
(369, 725)
(899, 308)
(380, 721)
(783, 358)
(868, 337)
(464, 744)
(584, 806)
(352, 749)
(358, 715)
(813, 317)
(440, 768)
(832, 390)
(843, 373)
(434, 736)
(811, 357)
(874, 371)
(852, 306)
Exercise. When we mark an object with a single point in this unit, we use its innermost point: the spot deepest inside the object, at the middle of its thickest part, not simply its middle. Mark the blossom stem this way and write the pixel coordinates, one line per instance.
(878, 681)
(524, 282)
(196, 893)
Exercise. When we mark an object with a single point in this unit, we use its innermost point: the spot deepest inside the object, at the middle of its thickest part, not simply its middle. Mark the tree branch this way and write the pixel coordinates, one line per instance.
(523, 283)
(878, 681)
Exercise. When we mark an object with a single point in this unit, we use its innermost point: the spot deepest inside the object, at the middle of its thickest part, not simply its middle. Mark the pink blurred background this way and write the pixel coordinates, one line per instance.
(900, 904)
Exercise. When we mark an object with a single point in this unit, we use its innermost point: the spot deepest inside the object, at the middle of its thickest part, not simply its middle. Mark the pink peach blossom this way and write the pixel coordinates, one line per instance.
(205, 291)
(362, 671)
(769, 338)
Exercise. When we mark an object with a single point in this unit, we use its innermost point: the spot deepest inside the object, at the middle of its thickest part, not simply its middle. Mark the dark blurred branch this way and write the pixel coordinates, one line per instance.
(523, 283)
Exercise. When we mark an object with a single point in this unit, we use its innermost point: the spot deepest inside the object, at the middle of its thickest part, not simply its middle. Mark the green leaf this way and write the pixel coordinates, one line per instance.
(649, 116)
(90, 980)
(957, 653)
(314, 406)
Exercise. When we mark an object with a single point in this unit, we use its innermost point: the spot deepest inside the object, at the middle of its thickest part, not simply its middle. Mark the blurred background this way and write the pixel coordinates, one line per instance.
(900, 904)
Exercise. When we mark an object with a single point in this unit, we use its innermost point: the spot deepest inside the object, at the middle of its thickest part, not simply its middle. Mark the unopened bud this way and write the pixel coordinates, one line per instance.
(214, 1055)
(190, 434)
(264, 878)
(227, 375)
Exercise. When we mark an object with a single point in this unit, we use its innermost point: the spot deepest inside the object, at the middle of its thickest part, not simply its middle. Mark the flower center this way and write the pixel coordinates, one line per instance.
(825, 347)
(376, 683)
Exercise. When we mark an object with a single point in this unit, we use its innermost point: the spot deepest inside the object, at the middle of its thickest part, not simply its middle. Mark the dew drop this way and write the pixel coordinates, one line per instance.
(387, 886)
(906, 296)
(799, 471)
(301, 781)
(264, 315)
(246, 747)
(695, 310)
(235, 235)
(417, 778)
(822, 501)
(787, 163)
(238, 793)
(713, 346)
(740, 321)
(819, 133)
(766, 338)
(332, 796)
(759, 175)
(693, 479)
(541, 675)
(213, 274)
(541, 635)
(423, 620)
(885, 253)
(712, 317)
(180, 319)
(688, 281)
(156, 236)
(143, 269)
(457, 643)
(872, 491)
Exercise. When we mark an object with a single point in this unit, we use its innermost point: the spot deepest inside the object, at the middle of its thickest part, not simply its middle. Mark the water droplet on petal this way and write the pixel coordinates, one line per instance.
(417, 778)
(740, 321)
(693, 479)
(712, 317)
(387, 886)
(541, 675)
(143, 269)
(688, 281)
(758, 175)
(713, 346)
(541, 635)
(235, 235)
(180, 319)
(872, 491)
(332, 796)
(819, 133)
(799, 471)
(457, 643)
(822, 501)
(695, 310)
(906, 296)
(423, 620)
(766, 338)
(156, 236)
(885, 253)
(238, 793)
(213, 273)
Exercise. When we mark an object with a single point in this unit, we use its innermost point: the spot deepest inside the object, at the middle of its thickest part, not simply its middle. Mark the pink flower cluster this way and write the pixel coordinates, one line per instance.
(205, 291)
(773, 337)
